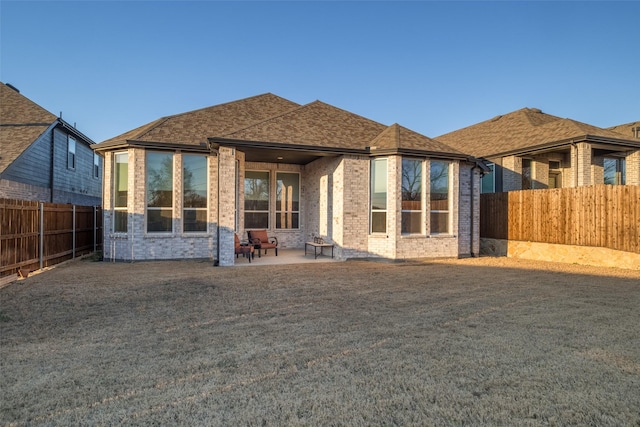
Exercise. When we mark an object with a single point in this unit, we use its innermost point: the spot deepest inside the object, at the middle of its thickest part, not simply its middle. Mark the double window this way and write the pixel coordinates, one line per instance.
(194, 193)
(257, 200)
(379, 196)
(159, 179)
(120, 191)
(411, 196)
(439, 197)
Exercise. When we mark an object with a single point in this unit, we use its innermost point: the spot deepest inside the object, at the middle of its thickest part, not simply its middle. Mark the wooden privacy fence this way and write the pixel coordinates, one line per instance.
(602, 215)
(35, 235)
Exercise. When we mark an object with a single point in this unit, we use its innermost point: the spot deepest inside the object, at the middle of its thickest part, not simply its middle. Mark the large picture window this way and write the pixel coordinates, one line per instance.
(256, 199)
(287, 200)
(379, 196)
(194, 193)
(120, 191)
(439, 197)
(159, 192)
(411, 196)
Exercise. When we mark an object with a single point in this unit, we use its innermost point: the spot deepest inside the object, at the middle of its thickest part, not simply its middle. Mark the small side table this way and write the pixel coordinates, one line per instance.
(315, 247)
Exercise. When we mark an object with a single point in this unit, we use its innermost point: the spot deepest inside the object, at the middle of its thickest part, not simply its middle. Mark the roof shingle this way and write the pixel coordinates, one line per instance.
(519, 130)
(22, 121)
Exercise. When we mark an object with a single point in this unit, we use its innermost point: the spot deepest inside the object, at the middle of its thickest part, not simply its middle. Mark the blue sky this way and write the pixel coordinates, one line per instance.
(433, 67)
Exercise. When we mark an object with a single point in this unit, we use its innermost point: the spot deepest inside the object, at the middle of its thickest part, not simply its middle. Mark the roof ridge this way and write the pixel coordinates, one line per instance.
(268, 119)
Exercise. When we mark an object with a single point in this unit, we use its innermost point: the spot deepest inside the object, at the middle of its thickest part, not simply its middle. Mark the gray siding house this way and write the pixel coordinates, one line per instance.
(183, 185)
(44, 158)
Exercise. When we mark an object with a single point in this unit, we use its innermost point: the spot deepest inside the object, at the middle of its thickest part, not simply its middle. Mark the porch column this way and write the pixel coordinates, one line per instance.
(581, 164)
(226, 205)
(633, 168)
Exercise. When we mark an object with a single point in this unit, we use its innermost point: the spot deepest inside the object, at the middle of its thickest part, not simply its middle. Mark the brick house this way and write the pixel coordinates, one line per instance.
(181, 186)
(529, 149)
(44, 158)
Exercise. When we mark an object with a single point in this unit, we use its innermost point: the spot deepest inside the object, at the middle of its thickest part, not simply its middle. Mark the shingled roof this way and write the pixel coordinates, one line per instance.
(22, 121)
(194, 127)
(521, 130)
(629, 130)
(315, 124)
(399, 138)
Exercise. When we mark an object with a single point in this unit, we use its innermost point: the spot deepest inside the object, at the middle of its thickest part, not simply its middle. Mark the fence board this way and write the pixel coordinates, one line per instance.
(601, 215)
(20, 234)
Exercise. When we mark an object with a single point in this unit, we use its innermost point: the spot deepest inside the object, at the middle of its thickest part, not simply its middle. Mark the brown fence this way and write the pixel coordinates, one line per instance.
(34, 235)
(602, 215)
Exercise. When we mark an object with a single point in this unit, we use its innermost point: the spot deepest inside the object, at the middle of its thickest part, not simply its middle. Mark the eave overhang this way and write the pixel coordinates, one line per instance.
(119, 145)
(566, 144)
(275, 152)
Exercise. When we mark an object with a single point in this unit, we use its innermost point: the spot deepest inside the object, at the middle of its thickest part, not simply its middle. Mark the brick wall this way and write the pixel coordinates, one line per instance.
(20, 191)
(633, 167)
(137, 244)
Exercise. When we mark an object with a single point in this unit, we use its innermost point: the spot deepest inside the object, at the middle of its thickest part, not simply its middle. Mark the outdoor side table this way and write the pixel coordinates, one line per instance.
(315, 247)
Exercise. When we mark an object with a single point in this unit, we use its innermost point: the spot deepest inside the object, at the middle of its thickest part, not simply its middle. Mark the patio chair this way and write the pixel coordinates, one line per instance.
(246, 250)
(260, 240)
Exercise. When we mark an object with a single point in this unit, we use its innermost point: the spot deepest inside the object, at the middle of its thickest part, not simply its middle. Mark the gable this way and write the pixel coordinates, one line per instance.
(22, 122)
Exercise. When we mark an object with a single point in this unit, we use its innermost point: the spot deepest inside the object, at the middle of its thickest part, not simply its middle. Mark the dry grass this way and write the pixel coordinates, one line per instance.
(462, 342)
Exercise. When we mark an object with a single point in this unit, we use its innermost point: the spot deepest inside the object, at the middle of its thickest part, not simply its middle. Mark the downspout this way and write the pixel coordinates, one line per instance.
(216, 262)
(473, 168)
(53, 155)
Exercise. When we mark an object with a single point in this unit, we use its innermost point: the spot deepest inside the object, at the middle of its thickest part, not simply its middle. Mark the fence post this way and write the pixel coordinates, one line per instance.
(41, 235)
(95, 229)
(73, 234)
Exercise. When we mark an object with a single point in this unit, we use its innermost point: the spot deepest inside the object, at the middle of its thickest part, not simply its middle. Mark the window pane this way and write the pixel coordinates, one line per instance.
(120, 221)
(256, 220)
(378, 222)
(439, 179)
(614, 171)
(439, 222)
(159, 179)
(379, 184)
(194, 180)
(439, 197)
(287, 220)
(412, 222)
(195, 220)
(287, 200)
(256, 191)
(121, 183)
(411, 180)
(159, 220)
(488, 183)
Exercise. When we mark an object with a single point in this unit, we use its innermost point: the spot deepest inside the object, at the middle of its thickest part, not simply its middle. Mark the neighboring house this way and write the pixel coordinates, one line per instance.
(529, 149)
(44, 158)
(628, 130)
(181, 186)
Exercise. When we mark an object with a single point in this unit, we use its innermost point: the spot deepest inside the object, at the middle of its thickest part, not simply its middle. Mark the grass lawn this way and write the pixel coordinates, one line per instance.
(453, 342)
